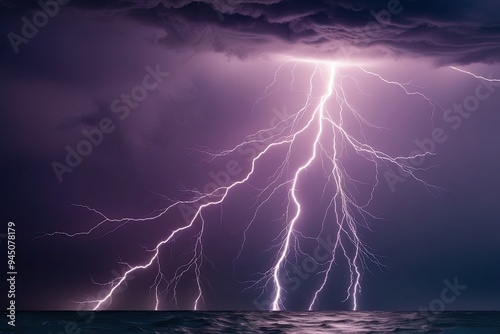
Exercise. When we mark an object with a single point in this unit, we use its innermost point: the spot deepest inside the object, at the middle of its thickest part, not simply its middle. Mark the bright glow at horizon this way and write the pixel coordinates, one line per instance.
(336, 63)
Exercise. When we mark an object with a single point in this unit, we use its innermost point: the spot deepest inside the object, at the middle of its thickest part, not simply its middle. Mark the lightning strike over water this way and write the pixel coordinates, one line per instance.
(320, 125)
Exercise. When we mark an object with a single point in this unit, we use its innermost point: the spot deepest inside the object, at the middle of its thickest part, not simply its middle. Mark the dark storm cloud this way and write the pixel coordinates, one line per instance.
(447, 32)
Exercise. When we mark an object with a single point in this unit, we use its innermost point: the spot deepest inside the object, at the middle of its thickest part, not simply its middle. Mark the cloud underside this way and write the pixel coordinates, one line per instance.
(444, 32)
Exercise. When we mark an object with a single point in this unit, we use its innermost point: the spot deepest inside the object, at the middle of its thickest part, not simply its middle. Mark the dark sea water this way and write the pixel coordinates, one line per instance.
(254, 322)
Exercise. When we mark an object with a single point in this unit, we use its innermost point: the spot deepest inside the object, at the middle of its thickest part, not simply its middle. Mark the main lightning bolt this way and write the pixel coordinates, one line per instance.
(320, 121)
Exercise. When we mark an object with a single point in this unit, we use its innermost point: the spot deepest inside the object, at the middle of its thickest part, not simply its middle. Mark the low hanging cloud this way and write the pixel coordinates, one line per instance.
(445, 32)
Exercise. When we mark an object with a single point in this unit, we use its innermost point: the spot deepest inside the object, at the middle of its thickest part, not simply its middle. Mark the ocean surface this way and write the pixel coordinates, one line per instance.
(253, 322)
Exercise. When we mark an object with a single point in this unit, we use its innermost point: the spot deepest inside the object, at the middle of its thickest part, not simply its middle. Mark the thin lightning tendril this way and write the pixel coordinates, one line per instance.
(474, 75)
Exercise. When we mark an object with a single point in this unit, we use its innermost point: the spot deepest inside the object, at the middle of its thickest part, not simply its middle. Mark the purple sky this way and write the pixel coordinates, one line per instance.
(220, 59)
